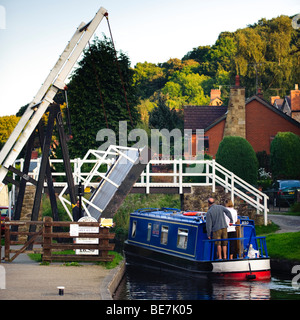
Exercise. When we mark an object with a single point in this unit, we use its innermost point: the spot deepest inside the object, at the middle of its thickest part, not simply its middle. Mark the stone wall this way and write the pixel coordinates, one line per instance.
(197, 200)
(27, 209)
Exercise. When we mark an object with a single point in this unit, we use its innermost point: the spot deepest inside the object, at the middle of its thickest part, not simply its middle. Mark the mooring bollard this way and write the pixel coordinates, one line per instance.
(61, 290)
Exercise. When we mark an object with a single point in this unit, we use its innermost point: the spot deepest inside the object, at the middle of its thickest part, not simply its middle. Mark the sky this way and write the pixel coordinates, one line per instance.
(33, 33)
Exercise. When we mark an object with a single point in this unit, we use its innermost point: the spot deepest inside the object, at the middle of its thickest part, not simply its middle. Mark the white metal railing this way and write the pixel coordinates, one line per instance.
(168, 173)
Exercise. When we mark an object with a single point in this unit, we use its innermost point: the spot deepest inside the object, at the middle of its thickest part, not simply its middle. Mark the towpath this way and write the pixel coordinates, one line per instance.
(286, 223)
(28, 280)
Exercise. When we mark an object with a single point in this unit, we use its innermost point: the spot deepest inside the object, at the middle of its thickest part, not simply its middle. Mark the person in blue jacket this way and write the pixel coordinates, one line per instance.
(217, 226)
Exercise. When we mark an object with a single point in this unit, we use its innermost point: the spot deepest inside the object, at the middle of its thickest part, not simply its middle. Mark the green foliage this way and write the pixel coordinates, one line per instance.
(284, 245)
(265, 54)
(138, 201)
(237, 155)
(96, 76)
(7, 125)
(161, 117)
(148, 78)
(285, 156)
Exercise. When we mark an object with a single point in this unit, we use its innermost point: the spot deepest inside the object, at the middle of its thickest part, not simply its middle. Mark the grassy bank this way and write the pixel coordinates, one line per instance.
(108, 265)
(280, 245)
(284, 245)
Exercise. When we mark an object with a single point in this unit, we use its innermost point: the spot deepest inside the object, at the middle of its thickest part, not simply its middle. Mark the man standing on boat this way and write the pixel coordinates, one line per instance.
(216, 224)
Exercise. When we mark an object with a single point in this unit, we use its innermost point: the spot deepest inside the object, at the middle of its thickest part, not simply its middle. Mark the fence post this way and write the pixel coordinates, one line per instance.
(7, 239)
(174, 171)
(180, 176)
(148, 178)
(47, 239)
(232, 188)
(103, 242)
(213, 176)
(265, 210)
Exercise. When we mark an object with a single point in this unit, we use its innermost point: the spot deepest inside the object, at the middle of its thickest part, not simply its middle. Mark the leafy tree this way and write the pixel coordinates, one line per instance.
(184, 89)
(162, 117)
(285, 156)
(237, 155)
(95, 80)
(7, 125)
(148, 78)
(265, 54)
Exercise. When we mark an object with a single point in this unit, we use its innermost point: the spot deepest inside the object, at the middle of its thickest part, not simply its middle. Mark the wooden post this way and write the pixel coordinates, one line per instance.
(47, 239)
(104, 242)
(239, 242)
(7, 239)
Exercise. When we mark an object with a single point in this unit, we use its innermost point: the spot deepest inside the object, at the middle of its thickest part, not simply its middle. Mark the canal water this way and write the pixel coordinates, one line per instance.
(147, 284)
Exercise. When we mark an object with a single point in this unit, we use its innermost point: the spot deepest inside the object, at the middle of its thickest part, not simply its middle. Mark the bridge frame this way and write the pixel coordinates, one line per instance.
(180, 175)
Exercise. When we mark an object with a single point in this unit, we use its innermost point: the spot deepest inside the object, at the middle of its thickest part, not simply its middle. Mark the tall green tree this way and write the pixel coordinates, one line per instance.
(162, 117)
(96, 96)
(237, 155)
(285, 156)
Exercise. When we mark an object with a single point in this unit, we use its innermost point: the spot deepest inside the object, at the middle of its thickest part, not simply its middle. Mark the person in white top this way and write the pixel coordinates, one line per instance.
(231, 231)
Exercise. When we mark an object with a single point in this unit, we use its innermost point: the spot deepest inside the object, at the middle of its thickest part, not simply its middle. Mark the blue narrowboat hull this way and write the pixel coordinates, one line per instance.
(173, 240)
(245, 269)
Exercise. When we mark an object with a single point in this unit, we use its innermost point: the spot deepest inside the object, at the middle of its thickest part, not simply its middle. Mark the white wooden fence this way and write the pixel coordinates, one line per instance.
(169, 173)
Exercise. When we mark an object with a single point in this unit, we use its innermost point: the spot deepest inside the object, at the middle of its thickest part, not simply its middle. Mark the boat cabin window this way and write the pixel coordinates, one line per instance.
(133, 230)
(164, 235)
(149, 231)
(182, 238)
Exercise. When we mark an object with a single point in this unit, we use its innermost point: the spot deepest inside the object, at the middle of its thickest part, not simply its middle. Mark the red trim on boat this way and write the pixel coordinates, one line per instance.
(241, 276)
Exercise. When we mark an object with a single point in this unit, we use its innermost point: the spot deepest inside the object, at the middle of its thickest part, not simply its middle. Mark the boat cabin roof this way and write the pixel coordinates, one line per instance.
(193, 217)
(173, 214)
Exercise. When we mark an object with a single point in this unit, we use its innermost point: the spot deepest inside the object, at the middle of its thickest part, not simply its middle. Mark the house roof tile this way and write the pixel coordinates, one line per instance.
(200, 117)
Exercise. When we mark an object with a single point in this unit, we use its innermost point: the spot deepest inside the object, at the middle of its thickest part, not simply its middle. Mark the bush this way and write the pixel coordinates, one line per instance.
(285, 156)
(237, 155)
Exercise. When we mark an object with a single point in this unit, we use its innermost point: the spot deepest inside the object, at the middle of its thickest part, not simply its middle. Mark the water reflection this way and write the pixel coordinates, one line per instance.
(146, 284)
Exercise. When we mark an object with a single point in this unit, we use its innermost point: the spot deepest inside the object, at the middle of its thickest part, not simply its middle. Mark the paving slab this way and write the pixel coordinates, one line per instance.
(28, 280)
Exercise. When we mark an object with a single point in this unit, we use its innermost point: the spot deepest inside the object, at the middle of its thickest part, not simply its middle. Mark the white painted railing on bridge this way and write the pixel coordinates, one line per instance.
(176, 173)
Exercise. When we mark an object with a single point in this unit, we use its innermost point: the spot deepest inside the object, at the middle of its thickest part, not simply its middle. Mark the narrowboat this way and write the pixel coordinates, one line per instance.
(168, 238)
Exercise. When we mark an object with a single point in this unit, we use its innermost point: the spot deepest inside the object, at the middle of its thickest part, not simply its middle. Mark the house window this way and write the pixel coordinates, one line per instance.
(164, 235)
(133, 230)
(182, 238)
(149, 231)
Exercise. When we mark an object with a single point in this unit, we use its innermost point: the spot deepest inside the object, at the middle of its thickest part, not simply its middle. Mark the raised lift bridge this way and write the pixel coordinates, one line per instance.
(115, 184)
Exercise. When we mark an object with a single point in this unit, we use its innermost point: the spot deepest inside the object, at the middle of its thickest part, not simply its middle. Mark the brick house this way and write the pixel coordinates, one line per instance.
(255, 119)
(289, 104)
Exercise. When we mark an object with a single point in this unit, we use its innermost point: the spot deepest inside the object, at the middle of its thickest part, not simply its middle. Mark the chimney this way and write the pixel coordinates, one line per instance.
(295, 103)
(273, 99)
(215, 93)
(259, 93)
(237, 81)
(236, 113)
